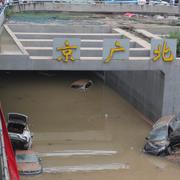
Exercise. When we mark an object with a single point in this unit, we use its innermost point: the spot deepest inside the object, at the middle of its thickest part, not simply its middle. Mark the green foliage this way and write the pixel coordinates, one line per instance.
(176, 35)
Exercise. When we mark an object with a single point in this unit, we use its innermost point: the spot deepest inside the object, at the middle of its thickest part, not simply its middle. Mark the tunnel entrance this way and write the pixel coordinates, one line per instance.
(142, 89)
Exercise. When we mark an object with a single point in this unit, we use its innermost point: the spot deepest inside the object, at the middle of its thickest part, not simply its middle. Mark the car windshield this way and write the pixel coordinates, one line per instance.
(175, 123)
(28, 158)
(158, 134)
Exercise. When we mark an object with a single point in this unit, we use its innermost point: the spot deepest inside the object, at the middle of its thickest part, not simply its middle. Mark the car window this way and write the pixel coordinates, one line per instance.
(175, 123)
(159, 134)
(15, 128)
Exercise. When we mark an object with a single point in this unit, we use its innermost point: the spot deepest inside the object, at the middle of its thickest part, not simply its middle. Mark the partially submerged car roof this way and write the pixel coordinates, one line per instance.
(81, 82)
(28, 162)
(165, 120)
(17, 118)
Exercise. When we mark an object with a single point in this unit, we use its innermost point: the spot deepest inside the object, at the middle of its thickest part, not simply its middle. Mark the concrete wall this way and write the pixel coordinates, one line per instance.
(7, 44)
(103, 8)
(143, 89)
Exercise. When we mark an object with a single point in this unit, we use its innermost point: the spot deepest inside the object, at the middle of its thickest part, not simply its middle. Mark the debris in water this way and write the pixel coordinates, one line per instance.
(158, 163)
(106, 116)
(174, 158)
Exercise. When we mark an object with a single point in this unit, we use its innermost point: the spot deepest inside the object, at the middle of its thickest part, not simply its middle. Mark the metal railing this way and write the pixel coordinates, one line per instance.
(105, 2)
(4, 173)
(56, 1)
(113, 2)
(2, 16)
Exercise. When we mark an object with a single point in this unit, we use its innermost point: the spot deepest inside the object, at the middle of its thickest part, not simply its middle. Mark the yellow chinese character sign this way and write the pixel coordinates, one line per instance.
(163, 49)
(66, 49)
(115, 49)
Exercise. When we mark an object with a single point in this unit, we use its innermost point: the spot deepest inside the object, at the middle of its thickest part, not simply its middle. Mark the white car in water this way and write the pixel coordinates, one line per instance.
(28, 163)
(18, 131)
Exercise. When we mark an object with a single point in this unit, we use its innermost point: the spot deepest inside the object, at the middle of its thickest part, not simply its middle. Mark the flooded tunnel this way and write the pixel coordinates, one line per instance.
(97, 133)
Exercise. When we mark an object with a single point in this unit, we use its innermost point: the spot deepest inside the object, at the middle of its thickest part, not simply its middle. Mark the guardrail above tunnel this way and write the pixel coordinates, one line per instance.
(93, 6)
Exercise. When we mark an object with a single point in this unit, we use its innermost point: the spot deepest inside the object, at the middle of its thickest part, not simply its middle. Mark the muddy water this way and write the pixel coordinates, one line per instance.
(98, 135)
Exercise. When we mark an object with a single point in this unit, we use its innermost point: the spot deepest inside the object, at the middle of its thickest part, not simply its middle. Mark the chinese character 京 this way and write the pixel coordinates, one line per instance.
(118, 48)
(67, 52)
(164, 52)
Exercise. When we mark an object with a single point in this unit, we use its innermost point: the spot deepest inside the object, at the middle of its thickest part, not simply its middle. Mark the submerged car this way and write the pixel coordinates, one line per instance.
(28, 163)
(18, 131)
(82, 84)
(164, 137)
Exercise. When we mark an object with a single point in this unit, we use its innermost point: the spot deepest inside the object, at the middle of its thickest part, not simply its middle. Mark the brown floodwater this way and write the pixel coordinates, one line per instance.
(82, 136)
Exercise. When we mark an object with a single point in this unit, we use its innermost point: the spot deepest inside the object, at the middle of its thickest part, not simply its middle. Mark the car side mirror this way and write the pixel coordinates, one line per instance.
(146, 138)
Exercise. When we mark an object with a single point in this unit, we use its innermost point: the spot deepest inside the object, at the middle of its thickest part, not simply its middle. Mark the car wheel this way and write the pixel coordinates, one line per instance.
(163, 153)
(26, 147)
(169, 150)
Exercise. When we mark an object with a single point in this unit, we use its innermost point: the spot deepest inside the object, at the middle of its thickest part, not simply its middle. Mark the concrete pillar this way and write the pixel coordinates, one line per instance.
(168, 94)
(171, 95)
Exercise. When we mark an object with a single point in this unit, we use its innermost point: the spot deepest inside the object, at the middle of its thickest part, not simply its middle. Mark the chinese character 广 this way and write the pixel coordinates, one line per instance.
(118, 48)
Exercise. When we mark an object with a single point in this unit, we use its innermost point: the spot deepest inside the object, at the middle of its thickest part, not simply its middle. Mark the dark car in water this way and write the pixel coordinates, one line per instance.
(82, 84)
(164, 137)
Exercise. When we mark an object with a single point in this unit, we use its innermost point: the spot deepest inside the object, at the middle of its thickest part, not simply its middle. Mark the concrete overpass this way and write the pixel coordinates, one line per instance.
(31, 48)
(153, 88)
